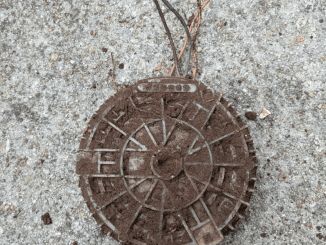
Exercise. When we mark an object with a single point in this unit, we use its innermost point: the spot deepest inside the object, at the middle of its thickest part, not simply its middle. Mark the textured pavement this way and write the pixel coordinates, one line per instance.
(54, 76)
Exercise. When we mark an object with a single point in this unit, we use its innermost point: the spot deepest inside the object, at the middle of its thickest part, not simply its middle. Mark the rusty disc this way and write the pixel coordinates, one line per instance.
(167, 161)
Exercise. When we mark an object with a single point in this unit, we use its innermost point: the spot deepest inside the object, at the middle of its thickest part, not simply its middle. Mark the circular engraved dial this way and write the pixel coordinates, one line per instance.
(167, 161)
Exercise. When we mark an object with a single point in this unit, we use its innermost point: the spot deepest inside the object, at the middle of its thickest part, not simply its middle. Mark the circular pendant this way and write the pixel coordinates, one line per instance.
(167, 161)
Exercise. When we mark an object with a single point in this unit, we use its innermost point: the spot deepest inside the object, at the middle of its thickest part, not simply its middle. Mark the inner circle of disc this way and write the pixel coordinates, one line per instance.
(150, 206)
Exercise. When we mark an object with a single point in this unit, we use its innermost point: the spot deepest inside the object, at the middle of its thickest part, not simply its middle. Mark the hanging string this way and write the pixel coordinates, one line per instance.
(186, 39)
(199, 7)
(175, 57)
(186, 29)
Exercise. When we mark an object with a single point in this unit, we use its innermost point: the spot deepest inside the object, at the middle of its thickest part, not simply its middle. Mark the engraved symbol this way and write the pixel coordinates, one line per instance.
(167, 87)
(226, 203)
(198, 108)
(100, 163)
(208, 235)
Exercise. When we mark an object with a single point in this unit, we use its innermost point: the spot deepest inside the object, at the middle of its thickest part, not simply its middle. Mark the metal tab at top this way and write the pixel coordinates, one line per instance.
(167, 87)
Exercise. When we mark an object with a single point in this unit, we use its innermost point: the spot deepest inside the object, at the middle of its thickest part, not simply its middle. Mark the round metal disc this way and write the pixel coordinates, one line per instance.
(167, 161)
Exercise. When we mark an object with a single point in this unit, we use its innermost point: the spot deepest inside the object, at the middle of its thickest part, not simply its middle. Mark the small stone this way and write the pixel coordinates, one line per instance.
(309, 225)
(121, 66)
(158, 68)
(54, 57)
(22, 162)
(104, 50)
(46, 219)
(42, 161)
(250, 115)
(283, 177)
(320, 236)
(7, 208)
(264, 113)
(50, 64)
(300, 39)
(7, 164)
(137, 25)
(74, 243)
(299, 204)
(199, 49)
(263, 235)
(292, 42)
(308, 132)
(321, 21)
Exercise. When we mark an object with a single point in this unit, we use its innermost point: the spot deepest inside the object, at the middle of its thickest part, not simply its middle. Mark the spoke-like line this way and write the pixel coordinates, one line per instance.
(193, 184)
(221, 190)
(106, 150)
(162, 107)
(216, 164)
(89, 191)
(101, 186)
(95, 127)
(132, 149)
(150, 135)
(113, 199)
(150, 191)
(210, 215)
(190, 151)
(204, 204)
(198, 163)
(162, 209)
(114, 126)
(223, 137)
(138, 143)
(209, 116)
(175, 122)
(212, 142)
(137, 183)
(245, 146)
(140, 207)
(195, 215)
(137, 242)
(138, 176)
(228, 164)
(227, 112)
(102, 175)
(195, 178)
(163, 120)
(164, 130)
(187, 229)
(171, 199)
(235, 198)
(221, 177)
(134, 218)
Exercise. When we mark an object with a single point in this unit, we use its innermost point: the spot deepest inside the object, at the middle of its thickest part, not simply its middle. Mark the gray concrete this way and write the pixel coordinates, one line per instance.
(51, 56)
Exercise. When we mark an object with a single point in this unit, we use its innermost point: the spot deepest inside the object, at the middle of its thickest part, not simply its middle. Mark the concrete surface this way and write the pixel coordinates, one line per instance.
(51, 57)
